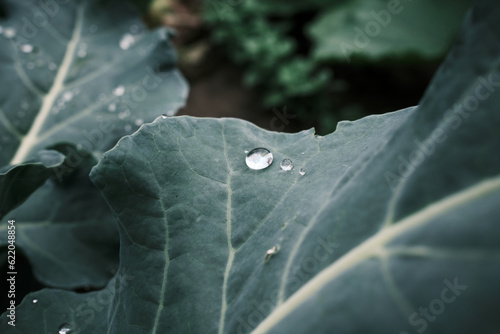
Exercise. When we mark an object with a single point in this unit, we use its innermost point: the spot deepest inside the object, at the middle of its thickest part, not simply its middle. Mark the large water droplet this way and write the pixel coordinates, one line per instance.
(26, 48)
(119, 91)
(302, 171)
(65, 329)
(9, 32)
(286, 164)
(259, 158)
(127, 41)
(35, 301)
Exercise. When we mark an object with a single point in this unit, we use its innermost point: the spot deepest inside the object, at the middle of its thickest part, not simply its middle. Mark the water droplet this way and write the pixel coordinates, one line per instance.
(302, 171)
(302, 152)
(65, 329)
(119, 91)
(171, 112)
(127, 41)
(128, 128)
(259, 158)
(139, 121)
(124, 114)
(26, 48)
(286, 164)
(9, 32)
(246, 151)
(112, 107)
(30, 66)
(35, 301)
(164, 116)
(271, 251)
(67, 96)
(52, 66)
(82, 53)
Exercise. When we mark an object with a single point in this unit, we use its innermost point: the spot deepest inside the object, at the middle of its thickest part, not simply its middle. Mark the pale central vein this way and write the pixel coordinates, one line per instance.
(229, 242)
(370, 247)
(30, 139)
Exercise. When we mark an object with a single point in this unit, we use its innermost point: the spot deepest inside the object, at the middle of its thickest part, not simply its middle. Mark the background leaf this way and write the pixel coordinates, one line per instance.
(374, 30)
(77, 77)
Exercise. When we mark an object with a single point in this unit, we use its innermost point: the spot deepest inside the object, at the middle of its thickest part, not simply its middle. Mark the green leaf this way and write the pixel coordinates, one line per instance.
(77, 76)
(373, 30)
(88, 74)
(19, 181)
(392, 228)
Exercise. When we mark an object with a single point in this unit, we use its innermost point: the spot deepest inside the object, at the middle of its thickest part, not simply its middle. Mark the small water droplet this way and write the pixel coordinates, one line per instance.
(52, 66)
(128, 128)
(302, 171)
(164, 116)
(26, 48)
(139, 121)
(246, 151)
(259, 158)
(286, 164)
(67, 96)
(65, 329)
(30, 65)
(124, 114)
(35, 301)
(271, 251)
(119, 91)
(81, 53)
(302, 152)
(112, 107)
(9, 32)
(127, 41)
(171, 112)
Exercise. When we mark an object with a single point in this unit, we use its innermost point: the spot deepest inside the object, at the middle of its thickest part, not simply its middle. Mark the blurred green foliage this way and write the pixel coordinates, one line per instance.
(291, 49)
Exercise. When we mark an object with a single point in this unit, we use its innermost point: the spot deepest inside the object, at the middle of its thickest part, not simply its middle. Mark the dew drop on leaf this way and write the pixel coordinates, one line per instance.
(164, 116)
(35, 301)
(259, 158)
(139, 121)
(271, 251)
(127, 41)
(65, 329)
(112, 107)
(52, 66)
(119, 91)
(26, 48)
(302, 171)
(286, 164)
(9, 32)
